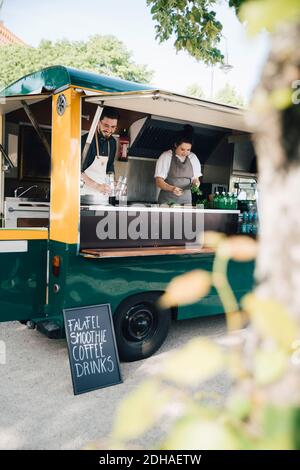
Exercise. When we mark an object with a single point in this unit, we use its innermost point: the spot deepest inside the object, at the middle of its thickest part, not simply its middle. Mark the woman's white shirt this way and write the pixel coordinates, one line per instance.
(164, 162)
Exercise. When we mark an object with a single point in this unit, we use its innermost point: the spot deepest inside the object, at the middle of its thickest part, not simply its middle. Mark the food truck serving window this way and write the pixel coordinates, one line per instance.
(174, 106)
(12, 103)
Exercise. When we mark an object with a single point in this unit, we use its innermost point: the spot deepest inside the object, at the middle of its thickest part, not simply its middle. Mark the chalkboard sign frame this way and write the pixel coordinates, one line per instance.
(106, 309)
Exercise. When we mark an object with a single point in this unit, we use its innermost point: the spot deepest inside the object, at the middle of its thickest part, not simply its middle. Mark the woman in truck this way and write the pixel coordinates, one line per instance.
(177, 170)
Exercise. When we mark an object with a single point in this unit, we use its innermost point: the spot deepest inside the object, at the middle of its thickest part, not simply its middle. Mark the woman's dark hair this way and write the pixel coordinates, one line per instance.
(185, 137)
(110, 113)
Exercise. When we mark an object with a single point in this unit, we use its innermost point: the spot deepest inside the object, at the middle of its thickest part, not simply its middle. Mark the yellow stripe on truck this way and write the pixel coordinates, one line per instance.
(23, 234)
(65, 170)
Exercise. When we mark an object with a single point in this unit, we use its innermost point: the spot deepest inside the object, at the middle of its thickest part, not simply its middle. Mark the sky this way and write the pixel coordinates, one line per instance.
(131, 22)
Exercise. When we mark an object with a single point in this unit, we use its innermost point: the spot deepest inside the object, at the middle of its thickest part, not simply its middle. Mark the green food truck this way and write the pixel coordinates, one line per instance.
(52, 256)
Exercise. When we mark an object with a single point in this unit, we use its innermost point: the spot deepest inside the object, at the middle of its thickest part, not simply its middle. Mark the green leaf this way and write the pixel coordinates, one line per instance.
(239, 406)
(196, 362)
(187, 288)
(269, 365)
(282, 98)
(140, 410)
(199, 433)
(278, 428)
(260, 14)
(271, 319)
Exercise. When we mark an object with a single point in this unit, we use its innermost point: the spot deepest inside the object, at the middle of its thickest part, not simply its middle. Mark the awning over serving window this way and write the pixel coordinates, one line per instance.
(174, 106)
(11, 103)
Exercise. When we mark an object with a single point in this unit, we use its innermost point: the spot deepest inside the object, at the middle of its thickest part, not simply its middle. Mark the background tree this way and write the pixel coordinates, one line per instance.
(194, 89)
(192, 23)
(229, 95)
(101, 54)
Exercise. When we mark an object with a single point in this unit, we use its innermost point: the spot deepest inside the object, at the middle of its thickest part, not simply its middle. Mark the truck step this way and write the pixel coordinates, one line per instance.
(51, 330)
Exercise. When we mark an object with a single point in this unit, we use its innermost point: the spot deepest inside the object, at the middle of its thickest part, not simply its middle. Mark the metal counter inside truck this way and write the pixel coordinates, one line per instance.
(52, 256)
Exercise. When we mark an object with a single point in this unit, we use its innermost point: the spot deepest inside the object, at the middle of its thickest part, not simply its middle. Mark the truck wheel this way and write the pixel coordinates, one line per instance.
(140, 326)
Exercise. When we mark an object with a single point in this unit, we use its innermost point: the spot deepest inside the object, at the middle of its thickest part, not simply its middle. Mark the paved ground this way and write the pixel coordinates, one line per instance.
(38, 408)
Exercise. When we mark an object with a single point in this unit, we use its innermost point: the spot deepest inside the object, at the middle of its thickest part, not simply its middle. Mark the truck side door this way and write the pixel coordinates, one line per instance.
(23, 273)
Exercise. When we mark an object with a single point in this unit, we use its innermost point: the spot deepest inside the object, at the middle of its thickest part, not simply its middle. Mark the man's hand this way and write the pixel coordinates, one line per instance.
(196, 182)
(103, 188)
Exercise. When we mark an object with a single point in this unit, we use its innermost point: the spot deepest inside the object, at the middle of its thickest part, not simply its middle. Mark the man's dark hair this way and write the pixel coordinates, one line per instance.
(110, 113)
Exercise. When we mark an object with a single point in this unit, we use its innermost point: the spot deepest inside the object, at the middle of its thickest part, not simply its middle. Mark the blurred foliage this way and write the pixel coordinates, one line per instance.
(195, 90)
(229, 95)
(187, 288)
(246, 419)
(271, 320)
(237, 4)
(281, 98)
(186, 360)
(101, 54)
(128, 425)
(226, 95)
(268, 14)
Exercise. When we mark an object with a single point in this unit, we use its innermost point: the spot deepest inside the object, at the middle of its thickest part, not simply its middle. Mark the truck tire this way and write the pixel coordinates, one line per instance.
(140, 326)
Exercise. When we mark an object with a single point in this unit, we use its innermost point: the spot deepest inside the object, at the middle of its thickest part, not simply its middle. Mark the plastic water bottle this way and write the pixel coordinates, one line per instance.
(254, 224)
(240, 223)
(245, 223)
(250, 221)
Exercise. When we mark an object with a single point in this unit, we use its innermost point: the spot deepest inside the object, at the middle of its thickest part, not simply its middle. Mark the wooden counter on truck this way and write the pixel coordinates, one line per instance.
(147, 251)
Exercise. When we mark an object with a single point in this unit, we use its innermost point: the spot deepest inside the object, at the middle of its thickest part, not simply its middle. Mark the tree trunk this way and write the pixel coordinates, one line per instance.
(277, 141)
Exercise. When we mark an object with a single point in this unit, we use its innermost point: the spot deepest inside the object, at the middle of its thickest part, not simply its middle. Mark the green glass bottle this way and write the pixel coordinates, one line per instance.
(216, 200)
(232, 201)
(235, 201)
(223, 201)
(228, 201)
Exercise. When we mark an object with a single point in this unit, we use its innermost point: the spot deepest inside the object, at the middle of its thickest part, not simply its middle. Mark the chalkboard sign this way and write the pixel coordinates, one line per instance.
(92, 348)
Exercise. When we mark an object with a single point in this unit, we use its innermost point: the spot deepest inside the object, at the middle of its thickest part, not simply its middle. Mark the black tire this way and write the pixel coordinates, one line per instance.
(140, 326)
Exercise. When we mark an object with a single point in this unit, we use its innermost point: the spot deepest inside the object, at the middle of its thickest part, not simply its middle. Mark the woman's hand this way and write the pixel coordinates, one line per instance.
(177, 191)
(161, 183)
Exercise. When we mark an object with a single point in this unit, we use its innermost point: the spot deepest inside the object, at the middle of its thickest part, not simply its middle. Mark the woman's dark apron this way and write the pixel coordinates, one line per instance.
(180, 175)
